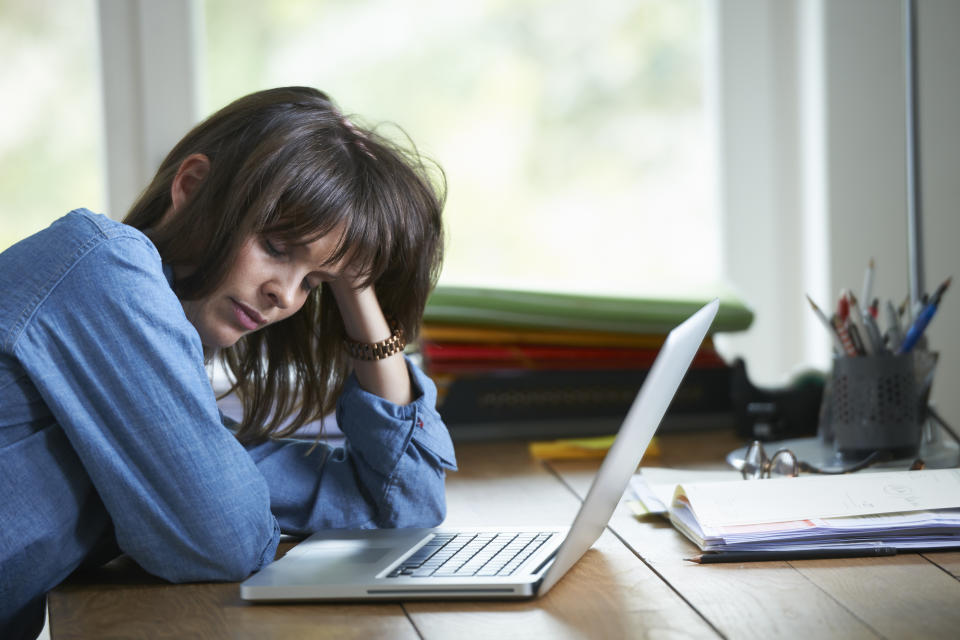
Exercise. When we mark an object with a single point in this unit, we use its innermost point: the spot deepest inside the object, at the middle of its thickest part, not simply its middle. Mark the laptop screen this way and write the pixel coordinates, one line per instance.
(632, 440)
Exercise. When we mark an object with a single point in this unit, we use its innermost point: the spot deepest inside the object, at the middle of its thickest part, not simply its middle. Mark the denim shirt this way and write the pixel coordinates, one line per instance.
(109, 427)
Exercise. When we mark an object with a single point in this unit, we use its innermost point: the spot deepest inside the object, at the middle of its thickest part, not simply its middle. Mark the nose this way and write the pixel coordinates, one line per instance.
(280, 294)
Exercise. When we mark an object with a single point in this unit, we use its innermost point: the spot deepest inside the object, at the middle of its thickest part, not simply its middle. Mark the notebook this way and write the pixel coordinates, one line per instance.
(488, 562)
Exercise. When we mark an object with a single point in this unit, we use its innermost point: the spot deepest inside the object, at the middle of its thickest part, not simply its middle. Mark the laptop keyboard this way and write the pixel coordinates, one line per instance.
(471, 554)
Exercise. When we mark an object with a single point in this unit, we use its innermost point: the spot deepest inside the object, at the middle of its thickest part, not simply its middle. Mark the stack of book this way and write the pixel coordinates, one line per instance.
(537, 364)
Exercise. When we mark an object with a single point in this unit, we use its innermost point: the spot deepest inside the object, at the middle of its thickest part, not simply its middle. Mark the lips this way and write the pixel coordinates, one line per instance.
(248, 318)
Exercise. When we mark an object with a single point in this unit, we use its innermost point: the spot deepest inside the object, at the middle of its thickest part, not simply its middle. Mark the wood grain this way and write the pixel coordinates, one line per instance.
(750, 600)
(608, 594)
(902, 596)
(122, 601)
(949, 561)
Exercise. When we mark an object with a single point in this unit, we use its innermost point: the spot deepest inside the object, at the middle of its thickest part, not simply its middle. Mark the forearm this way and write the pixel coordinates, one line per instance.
(364, 322)
(390, 473)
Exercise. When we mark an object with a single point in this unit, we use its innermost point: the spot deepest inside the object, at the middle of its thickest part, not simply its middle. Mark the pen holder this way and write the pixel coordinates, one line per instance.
(877, 403)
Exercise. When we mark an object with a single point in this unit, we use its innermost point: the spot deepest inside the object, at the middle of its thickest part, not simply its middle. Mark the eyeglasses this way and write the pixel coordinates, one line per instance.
(784, 464)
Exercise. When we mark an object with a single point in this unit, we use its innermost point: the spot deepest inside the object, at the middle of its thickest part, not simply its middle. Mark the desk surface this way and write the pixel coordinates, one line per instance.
(633, 583)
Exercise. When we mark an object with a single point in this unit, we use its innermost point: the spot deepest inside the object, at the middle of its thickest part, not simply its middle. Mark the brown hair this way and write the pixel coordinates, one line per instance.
(287, 163)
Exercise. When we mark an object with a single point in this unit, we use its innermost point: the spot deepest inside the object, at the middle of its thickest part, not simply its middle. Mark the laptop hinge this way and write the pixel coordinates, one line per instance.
(543, 565)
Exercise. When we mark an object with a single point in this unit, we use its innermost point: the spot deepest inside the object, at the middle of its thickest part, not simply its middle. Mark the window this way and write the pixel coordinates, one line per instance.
(50, 133)
(573, 135)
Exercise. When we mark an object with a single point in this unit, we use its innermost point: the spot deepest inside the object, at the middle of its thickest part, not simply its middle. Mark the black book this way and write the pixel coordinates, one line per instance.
(547, 403)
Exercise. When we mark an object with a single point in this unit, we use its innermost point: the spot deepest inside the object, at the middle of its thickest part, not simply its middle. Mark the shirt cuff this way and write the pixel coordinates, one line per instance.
(380, 431)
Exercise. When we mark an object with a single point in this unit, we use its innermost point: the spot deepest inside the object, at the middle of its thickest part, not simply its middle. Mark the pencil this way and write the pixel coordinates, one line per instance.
(940, 290)
(716, 557)
(838, 346)
(856, 320)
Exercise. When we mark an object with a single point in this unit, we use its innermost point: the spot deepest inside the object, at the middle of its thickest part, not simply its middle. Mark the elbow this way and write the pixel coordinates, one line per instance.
(216, 556)
(234, 562)
(235, 556)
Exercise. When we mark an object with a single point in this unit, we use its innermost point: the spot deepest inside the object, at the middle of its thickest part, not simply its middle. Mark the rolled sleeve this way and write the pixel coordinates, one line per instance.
(390, 472)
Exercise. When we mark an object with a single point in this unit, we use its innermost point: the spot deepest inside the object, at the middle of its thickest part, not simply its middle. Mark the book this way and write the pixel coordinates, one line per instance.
(856, 512)
(568, 403)
(460, 357)
(478, 306)
(461, 333)
(512, 363)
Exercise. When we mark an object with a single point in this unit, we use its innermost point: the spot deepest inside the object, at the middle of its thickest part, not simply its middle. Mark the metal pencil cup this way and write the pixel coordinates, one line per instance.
(878, 403)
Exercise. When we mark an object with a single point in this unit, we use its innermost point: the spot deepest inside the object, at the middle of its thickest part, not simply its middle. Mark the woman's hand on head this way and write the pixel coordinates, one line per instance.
(364, 321)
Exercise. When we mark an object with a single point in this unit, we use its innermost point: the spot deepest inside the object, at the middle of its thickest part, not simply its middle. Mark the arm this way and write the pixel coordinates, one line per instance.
(364, 321)
(121, 369)
(390, 473)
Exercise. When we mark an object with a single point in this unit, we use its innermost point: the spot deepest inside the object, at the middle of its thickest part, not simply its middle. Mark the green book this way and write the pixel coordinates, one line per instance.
(480, 306)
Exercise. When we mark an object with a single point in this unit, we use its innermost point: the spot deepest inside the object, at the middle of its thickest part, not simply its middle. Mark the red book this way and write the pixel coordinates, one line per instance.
(471, 357)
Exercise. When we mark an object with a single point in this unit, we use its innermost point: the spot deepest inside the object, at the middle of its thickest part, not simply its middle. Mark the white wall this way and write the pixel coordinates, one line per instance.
(813, 148)
(149, 53)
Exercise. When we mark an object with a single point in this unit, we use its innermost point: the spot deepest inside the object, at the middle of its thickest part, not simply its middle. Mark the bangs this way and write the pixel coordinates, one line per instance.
(339, 192)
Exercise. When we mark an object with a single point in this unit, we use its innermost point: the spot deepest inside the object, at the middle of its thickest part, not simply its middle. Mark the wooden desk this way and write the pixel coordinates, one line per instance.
(634, 583)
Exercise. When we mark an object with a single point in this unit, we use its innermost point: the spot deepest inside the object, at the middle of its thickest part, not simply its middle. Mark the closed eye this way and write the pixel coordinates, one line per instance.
(272, 249)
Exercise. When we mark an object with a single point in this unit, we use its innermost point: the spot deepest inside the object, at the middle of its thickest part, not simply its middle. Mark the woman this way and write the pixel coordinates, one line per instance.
(294, 246)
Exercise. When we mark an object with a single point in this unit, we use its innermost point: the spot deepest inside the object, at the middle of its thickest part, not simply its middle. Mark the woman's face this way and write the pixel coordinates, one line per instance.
(269, 282)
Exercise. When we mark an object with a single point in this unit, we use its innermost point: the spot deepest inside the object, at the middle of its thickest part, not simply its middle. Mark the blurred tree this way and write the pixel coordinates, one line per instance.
(571, 133)
(51, 129)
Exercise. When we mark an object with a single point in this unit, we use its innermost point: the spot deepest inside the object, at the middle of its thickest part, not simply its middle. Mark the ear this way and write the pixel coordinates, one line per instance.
(192, 171)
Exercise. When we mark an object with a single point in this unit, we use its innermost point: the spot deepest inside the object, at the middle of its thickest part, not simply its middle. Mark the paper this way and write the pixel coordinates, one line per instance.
(791, 499)
(653, 487)
(900, 509)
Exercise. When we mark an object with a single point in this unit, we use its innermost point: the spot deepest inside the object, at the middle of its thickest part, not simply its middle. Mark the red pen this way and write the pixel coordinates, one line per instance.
(843, 308)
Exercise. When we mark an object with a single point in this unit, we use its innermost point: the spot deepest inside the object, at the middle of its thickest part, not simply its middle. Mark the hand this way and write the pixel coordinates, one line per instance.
(364, 321)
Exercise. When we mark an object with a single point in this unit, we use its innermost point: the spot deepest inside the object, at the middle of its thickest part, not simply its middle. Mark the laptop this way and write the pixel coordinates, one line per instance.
(488, 562)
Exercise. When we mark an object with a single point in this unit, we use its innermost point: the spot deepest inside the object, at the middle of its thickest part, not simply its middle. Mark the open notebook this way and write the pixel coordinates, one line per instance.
(493, 562)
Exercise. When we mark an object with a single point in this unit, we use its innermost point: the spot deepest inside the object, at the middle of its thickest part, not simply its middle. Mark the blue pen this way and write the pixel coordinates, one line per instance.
(923, 319)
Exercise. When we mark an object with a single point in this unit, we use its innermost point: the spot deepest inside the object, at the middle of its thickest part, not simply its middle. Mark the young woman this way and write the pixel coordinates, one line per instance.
(280, 238)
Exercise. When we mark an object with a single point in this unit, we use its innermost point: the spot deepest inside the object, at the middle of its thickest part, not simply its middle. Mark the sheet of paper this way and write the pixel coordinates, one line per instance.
(654, 486)
(779, 500)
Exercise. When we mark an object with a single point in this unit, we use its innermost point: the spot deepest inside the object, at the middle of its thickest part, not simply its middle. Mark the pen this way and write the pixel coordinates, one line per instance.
(919, 306)
(843, 307)
(715, 557)
(894, 334)
(905, 309)
(923, 319)
(856, 319)
(873, 332)
(857, 340)
(844, 335)
(867, 283)
(837, 345)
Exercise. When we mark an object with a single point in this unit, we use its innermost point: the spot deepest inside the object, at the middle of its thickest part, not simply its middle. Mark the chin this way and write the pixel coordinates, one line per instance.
(215, 341)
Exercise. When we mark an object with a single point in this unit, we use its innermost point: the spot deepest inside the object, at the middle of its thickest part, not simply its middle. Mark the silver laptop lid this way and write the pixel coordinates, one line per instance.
(632, 440)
